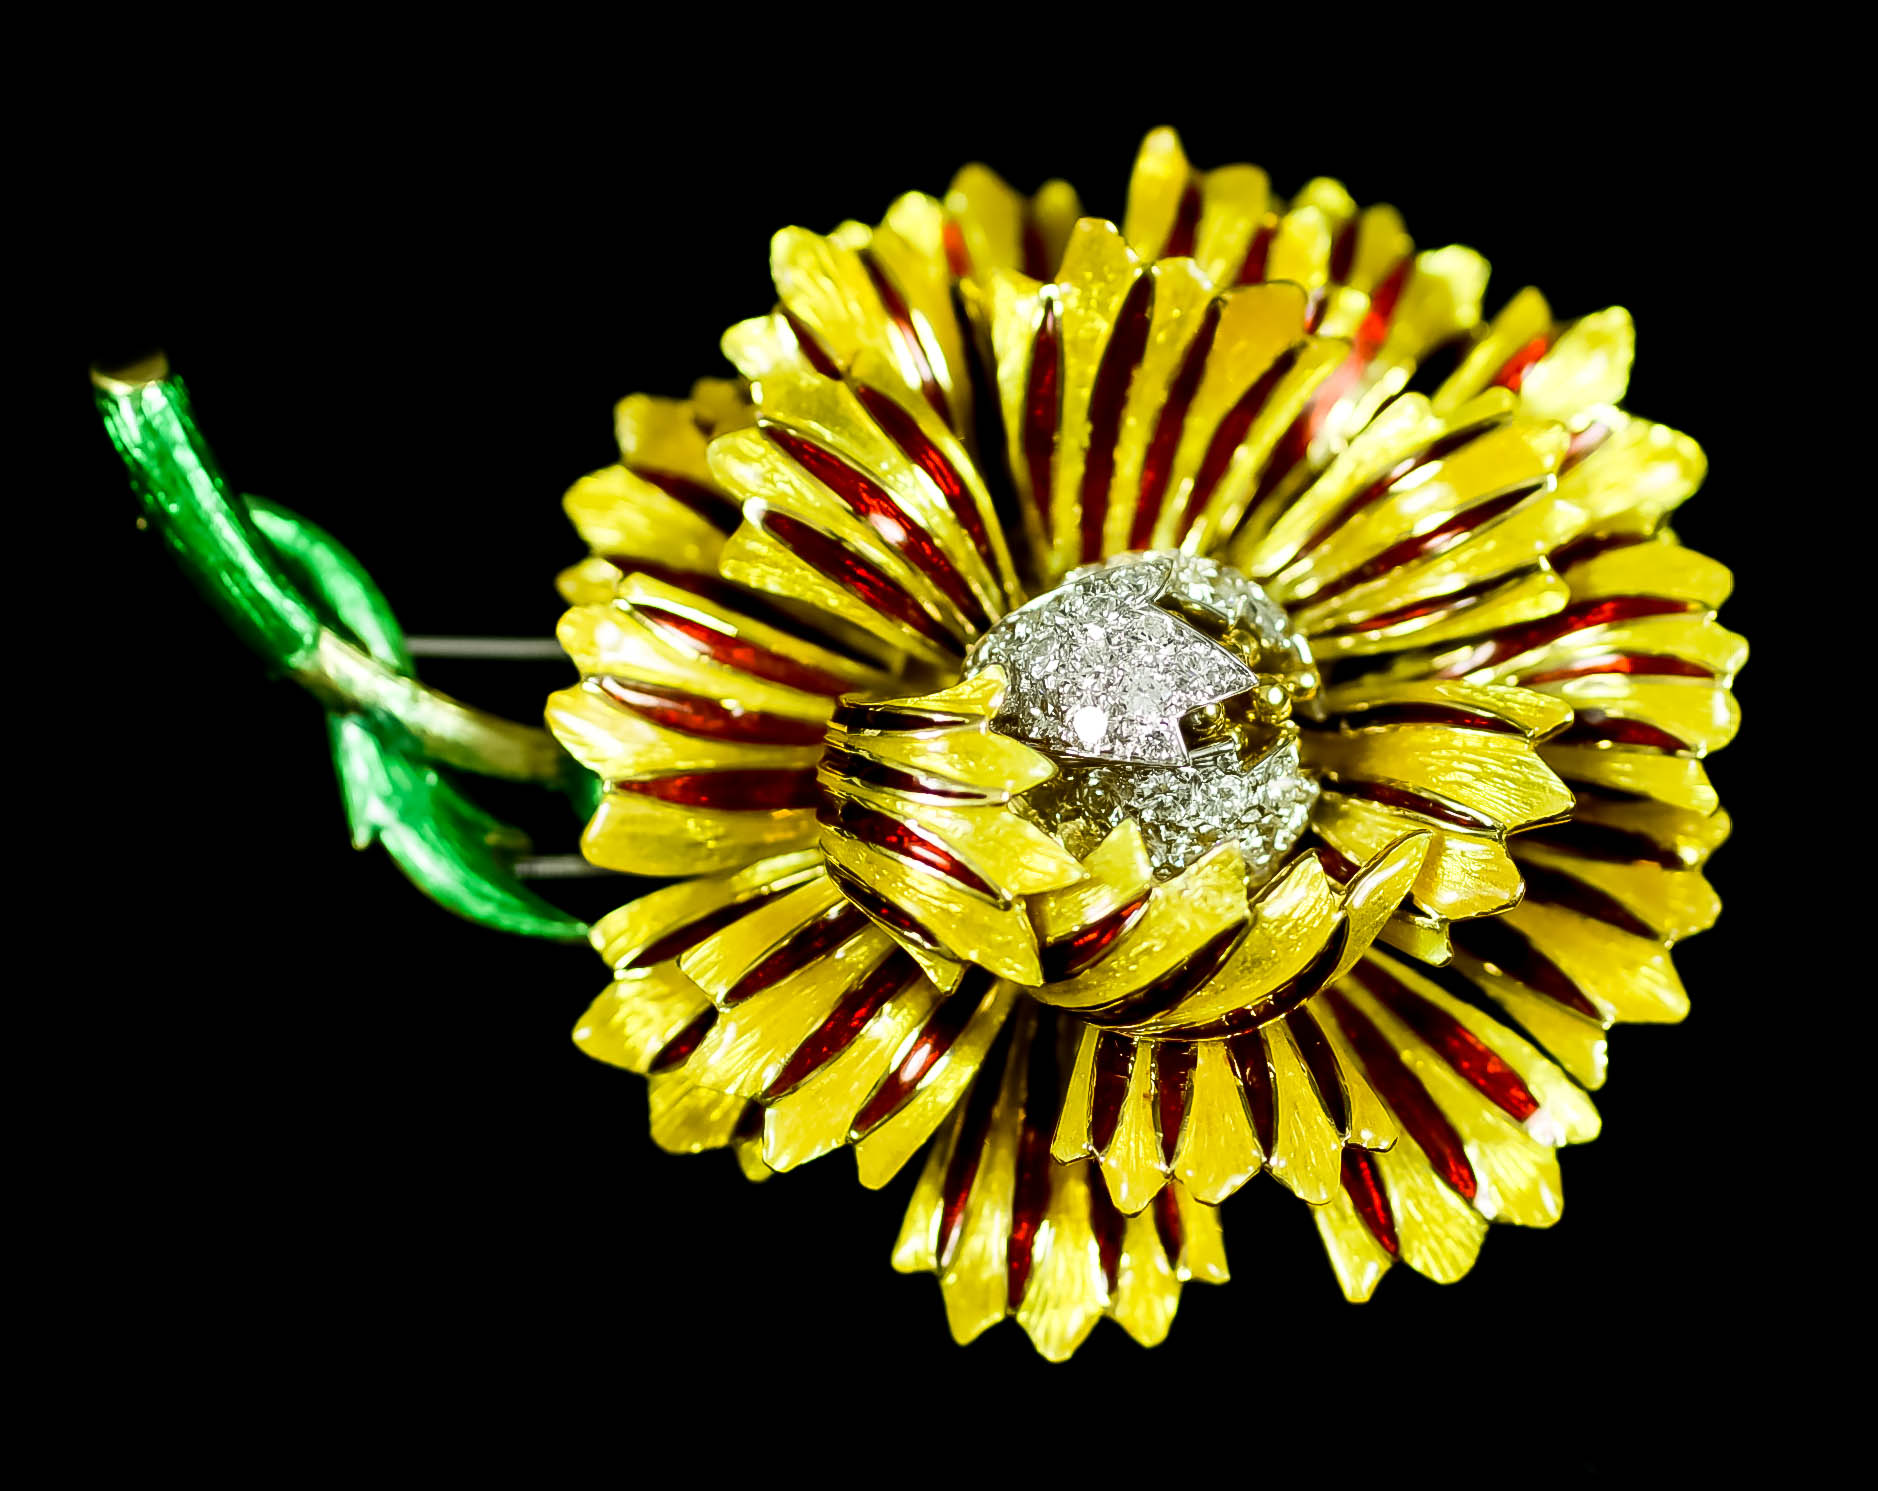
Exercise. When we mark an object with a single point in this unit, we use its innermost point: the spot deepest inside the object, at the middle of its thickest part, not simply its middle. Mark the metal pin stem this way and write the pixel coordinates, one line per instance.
(557, 867)
(516, 648)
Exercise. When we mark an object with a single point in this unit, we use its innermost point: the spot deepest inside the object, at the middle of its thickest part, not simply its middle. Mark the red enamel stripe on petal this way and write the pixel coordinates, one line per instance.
(906, 335)
(683, 939)
(859, 768)
(1453, 601)
(1110, 1228)
(713, 719)
(1435, 450)
(1603, 842)
(1108, 1087)
(902, 923)
(1030, 1198)
(1343, 251)
(725, 646)
(1071, 955)
(1168, 990)
(802, 947)
(813, 351)
(1168, 1226)
(1257, 252)
(857, 714)
(1373, 330)
(1253, 1066)
(1407, 1098)
(1287, 996)
(895, 835)
(1157, 465)
(1472, 1057)
(1362, 1180)
(1636, 664)
(1490, 940)
(1233, 429)
(1043, 410)
(1436, 541)
(1321, 1062)
(675, 1051)
(1416, 713)
(904, 431)
(744, 791)
(1337, 865)
(859, 577)
(969, 1148)
(1180, 237)
(1174, 1062)
(942, 1028)
(1294, 446)
(1392, 796)
(1601, 727)
(869, 500)
(1578, 617)
(744, 603)
(1546, 886)
(1513, 371)
(1128, 339)
(958, 259)
(708, 503)
(896, 974)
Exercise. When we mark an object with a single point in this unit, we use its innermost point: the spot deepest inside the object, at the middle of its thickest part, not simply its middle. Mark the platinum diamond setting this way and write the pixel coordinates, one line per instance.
(1161, 684)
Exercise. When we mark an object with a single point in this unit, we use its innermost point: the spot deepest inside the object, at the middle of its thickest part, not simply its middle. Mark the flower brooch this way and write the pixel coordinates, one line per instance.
(1119, 710)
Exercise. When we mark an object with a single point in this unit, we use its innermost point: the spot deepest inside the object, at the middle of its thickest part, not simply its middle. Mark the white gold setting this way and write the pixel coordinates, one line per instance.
(1161, 683)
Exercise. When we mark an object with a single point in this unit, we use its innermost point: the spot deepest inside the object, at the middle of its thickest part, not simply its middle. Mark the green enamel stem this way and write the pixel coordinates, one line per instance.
(227, 550)
(206, 527)
(296, 596)
(319, 565)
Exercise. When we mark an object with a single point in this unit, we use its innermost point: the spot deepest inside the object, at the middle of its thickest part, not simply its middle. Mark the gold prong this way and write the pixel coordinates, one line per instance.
(128, 377)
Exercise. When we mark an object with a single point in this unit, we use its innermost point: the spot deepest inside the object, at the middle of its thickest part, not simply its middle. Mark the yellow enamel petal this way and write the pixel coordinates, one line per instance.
(747, 1045)
(1219, 1151)
(1630, 978)
(1070, 1140)
(640, 835)
(1357, 1259)
(975, 1276)
(637, 1016)
(1132, 1166)
(881, 1152)
(1147, 1288)
(1499, 778)
(1203, 1245)
(815, 1118)
(1440, 1233)
(1067, 1291)
(1463, 874)
(618, 513)
(1587, 366)
(1307, 1150)
(1676, 903)
(916, 1249)
(688, 1119)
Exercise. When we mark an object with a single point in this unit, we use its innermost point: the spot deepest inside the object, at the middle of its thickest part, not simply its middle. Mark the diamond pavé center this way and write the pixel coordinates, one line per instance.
(1161, 684)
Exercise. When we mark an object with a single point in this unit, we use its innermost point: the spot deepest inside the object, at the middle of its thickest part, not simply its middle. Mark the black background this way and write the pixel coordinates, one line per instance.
(339, 1145)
